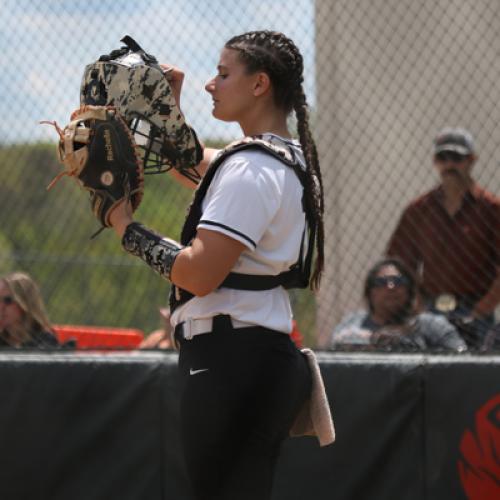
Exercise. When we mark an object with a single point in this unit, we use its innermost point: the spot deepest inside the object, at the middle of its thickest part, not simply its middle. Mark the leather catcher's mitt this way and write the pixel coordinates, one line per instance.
(98, 149)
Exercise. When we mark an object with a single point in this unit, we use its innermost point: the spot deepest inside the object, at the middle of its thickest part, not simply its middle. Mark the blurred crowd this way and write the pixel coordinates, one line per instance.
(439, 286)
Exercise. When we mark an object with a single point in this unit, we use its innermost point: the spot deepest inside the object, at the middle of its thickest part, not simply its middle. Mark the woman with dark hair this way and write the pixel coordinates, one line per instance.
(254, 222)
(391, 321)
(23, 320)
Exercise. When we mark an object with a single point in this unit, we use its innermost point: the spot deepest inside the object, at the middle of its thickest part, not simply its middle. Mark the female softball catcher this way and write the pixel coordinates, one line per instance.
(249, 235)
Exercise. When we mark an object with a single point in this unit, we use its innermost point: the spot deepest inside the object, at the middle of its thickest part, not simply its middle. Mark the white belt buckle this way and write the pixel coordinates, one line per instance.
(445, 303)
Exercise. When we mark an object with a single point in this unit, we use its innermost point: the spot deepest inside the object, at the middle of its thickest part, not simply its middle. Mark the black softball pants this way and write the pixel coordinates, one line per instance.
(241, 391)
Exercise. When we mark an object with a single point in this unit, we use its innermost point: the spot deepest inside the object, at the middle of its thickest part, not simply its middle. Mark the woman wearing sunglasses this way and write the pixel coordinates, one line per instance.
(391, 321)
(23, 320)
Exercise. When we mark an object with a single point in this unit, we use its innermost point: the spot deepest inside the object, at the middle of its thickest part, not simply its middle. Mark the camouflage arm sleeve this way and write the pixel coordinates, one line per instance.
(156, 251)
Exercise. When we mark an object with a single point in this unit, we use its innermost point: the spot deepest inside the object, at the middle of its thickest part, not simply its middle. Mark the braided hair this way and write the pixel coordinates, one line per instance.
(277, 55)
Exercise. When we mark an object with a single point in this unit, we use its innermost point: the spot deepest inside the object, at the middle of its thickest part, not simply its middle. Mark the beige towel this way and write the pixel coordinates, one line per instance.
(314, 418)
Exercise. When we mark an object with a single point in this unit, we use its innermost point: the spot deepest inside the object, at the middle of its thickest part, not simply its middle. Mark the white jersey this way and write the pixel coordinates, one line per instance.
(256, 199)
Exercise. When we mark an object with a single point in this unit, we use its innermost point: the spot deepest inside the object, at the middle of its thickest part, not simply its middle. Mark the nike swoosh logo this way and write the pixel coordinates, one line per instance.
(194, 372)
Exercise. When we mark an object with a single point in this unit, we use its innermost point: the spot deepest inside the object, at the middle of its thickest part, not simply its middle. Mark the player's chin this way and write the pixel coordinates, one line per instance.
(218, 112)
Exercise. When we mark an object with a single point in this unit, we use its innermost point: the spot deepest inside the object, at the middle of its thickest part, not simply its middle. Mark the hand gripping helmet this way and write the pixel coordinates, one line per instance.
(134, 83)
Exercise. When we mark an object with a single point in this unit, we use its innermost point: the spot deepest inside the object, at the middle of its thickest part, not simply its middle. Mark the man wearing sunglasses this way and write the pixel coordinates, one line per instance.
(450, 237)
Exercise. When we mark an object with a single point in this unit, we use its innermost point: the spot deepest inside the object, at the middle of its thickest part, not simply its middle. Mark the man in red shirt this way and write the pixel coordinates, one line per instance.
(450, 236)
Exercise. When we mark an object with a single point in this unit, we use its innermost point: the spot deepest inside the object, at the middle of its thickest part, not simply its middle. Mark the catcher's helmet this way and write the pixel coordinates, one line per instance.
(134, 83)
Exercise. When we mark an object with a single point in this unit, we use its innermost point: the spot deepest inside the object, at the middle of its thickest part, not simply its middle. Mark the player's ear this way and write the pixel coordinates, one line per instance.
(262, 83)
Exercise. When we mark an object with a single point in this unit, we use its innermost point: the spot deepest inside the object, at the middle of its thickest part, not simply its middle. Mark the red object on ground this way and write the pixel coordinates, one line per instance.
(98, 337)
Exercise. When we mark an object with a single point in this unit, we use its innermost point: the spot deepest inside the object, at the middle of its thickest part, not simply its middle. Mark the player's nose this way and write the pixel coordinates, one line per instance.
(210, 86)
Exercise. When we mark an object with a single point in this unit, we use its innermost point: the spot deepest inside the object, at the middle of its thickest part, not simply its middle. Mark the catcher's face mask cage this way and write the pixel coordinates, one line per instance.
(159, 153)
(134, 83)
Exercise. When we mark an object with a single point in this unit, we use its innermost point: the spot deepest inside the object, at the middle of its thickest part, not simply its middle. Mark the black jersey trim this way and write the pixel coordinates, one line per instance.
(230, 229)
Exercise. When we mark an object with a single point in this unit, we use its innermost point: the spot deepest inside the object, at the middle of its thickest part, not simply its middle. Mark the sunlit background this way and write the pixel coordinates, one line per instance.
(382, 77)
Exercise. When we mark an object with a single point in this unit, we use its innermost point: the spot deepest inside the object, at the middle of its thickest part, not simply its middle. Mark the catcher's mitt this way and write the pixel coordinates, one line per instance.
(98, 149)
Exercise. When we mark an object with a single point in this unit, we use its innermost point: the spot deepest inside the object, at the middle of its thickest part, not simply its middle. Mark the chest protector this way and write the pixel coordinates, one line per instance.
(298, 274)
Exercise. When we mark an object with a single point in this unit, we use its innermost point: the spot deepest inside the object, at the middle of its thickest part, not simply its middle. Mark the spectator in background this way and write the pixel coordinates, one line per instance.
(450, 236)
(391, 321)
(161, 338)
(23, 320)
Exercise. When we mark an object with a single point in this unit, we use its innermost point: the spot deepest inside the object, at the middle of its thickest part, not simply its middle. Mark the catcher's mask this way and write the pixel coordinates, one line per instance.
(134, 83)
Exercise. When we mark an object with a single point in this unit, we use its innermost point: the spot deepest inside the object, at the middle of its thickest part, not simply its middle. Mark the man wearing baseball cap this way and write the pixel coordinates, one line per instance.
(450, 237)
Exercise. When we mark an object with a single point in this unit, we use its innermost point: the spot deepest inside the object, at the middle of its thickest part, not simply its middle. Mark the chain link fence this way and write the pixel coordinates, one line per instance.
(382, 77)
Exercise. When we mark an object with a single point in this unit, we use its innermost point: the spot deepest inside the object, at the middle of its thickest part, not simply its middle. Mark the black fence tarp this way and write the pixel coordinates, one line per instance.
(104, 426)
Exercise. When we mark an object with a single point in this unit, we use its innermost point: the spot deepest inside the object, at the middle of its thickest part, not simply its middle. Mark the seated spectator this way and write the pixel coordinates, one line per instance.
(391, 322)
(23, 320)
(161, 338)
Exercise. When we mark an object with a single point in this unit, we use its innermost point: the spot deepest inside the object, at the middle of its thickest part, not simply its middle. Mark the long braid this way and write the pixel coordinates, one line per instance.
(314, 186)
(278, 56)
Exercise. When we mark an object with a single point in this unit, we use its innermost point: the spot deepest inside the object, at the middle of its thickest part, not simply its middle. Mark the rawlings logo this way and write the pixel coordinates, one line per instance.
(479, 465)
(108, 146)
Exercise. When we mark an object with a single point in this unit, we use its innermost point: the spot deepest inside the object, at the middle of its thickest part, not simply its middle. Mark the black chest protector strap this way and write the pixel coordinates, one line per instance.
(295, 277)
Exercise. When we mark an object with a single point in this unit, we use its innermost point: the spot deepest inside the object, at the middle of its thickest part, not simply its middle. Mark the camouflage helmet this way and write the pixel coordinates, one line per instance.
(134, 83)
